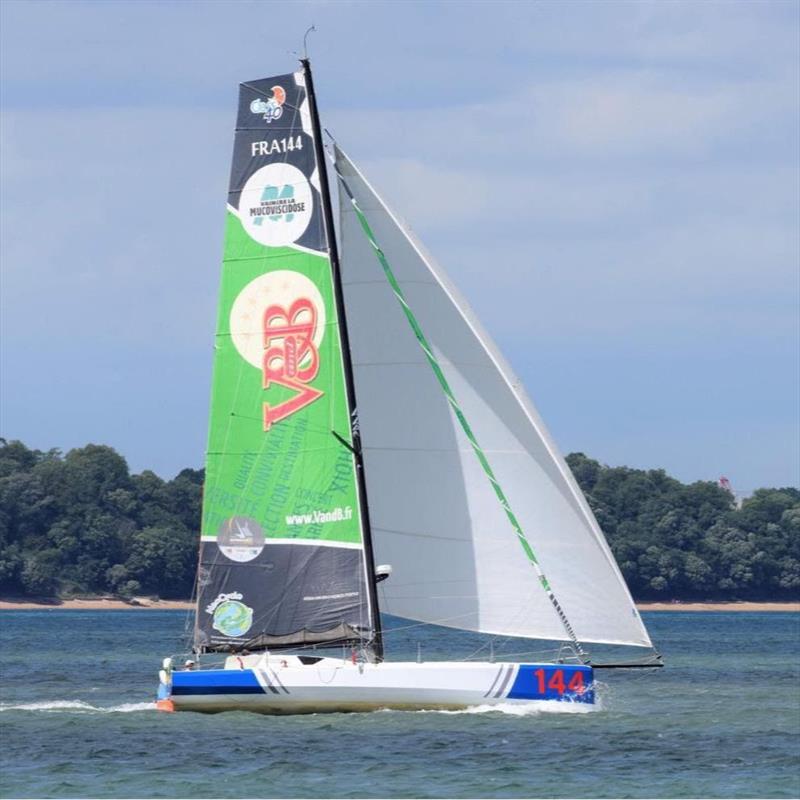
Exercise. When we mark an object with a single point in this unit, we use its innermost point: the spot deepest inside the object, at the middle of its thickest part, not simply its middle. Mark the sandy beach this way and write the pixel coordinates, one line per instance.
(743, 605)
(95, 604)
(149, 604)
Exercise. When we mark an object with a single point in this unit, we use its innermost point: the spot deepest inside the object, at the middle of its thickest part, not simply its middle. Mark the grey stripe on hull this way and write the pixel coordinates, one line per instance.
(506, 679)
(263, 678)
(494, 682)
(278, 680)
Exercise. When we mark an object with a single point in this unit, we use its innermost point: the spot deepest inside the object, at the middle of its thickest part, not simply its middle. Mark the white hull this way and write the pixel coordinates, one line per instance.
(287, 685)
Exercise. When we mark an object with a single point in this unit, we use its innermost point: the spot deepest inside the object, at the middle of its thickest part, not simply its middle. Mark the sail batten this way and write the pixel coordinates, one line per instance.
(400, 459)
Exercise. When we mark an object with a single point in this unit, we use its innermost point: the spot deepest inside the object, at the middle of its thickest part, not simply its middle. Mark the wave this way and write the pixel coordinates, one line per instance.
(77, 706)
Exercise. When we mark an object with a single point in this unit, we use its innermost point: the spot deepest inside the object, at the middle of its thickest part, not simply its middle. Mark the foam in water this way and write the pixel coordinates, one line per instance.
(529, 709)
(514, 709)
(511, 709)
(77, 706)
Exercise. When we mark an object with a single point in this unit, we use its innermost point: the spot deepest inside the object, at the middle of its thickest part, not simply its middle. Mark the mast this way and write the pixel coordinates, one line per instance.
(327, 213)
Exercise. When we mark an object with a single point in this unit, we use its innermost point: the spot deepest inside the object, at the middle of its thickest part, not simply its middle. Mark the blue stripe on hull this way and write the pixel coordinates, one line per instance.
(553, 682)
(216, 681)
(184, 690)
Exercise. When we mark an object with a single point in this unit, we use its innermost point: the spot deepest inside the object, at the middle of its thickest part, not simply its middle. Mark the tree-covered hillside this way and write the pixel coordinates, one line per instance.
(80, 523)
(680, 541)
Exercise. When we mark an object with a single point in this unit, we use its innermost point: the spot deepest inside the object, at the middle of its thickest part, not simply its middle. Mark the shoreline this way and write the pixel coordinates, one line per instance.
(94, 604)
(738, 605)
(148, 604)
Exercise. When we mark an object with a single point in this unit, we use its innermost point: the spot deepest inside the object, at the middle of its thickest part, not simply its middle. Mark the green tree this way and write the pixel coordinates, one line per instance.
(163, 561)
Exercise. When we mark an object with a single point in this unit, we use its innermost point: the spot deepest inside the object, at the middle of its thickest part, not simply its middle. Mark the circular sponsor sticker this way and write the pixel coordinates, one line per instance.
(232, 618)
(280, 289)
(276, 204)
(240, 538)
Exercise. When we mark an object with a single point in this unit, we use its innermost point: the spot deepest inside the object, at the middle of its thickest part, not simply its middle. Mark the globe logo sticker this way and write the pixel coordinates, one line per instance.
(276, 204)
(231, 617)
(240, 539)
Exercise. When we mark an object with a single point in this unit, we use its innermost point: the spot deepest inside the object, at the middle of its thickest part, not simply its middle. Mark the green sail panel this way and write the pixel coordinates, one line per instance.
(282, 560)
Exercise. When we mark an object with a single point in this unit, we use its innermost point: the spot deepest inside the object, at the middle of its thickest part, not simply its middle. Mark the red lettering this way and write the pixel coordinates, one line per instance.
(576, 683)
(556, 682)
(290, 357)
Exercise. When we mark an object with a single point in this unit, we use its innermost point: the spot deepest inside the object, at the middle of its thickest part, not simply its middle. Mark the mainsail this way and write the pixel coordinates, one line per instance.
(282, 545)
(439, 516)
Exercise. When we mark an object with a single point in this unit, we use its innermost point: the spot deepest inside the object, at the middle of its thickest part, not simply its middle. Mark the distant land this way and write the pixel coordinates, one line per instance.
(79, 525)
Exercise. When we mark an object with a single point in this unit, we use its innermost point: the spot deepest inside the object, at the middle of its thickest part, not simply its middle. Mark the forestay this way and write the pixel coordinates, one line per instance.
(456, 559)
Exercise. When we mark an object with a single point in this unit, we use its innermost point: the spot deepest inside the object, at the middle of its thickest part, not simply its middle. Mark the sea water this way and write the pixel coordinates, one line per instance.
(721, 720)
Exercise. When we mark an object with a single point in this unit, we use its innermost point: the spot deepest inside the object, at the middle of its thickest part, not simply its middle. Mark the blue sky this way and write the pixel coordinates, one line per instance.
(615, 187)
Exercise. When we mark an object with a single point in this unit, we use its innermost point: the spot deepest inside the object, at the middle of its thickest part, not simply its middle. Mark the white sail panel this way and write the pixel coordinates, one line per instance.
(435, 516)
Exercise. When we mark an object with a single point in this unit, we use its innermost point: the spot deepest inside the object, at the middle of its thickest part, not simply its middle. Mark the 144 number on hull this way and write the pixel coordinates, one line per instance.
(557, 683)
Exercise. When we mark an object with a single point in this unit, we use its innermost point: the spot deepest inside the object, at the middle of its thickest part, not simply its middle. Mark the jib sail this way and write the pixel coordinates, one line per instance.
(282, 557)
(444, 420)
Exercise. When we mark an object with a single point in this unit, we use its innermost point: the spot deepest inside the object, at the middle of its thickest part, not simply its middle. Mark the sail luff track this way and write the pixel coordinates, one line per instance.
(457, 411)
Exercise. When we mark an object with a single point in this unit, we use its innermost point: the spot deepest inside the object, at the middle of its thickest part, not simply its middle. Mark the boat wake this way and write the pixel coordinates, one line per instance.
(77, 706)
(514, 709)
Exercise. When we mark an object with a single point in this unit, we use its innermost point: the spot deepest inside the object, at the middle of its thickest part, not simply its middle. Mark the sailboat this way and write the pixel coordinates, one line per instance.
(370, 451)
